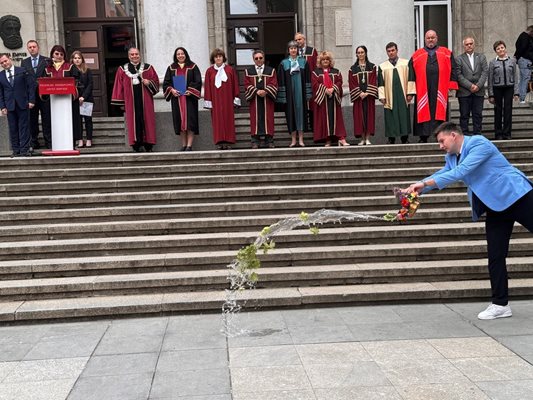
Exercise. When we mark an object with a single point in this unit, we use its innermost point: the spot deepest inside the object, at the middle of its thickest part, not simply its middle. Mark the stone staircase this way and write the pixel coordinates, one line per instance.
(104, 235)
(109, 136)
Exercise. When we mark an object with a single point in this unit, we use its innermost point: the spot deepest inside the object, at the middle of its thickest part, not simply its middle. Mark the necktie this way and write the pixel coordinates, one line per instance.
(458, 158)
(10, 77)
(34, 63)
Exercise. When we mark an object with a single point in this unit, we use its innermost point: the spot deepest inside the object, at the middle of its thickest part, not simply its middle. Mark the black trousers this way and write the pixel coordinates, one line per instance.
(471, 104)
(42, 107)
(88, 126)
(499, 226)
(19, 134)
(503, 105)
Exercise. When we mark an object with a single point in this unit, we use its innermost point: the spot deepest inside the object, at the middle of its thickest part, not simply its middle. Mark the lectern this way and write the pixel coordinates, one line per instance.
(60, 91)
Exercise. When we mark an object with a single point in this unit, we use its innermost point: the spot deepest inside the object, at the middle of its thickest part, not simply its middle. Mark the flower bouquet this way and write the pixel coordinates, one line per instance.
(409, 203)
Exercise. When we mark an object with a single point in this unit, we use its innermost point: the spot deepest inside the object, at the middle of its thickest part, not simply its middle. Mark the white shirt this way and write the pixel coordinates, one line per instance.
(471, 59)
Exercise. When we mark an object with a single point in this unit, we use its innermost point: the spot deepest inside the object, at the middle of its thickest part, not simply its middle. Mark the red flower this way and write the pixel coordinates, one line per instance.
(405, 202)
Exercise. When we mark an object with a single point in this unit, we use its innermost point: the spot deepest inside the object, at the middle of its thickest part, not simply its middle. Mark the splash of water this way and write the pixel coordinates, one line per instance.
(241, 271)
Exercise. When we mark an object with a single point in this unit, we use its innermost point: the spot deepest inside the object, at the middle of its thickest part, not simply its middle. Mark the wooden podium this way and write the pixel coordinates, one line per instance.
(60, 91)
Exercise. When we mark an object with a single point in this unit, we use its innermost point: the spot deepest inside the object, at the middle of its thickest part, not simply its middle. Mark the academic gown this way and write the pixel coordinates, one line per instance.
(138, 102)
(435, 75)
(395, 83)
(69, 70)
(222, 111)
(328, 121)
(294, 92)
(184, 108)
(261, 108)
(364, 110)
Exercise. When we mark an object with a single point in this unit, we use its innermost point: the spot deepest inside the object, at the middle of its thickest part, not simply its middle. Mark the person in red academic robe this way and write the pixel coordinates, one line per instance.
(327, 96)
(363, 85)
(261, 89)
(221, 95)
(135, 86)
(59, 68)
(435, 75)
(184, 105)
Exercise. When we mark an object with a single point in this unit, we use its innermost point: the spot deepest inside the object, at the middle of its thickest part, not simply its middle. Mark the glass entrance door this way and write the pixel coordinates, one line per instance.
(87, 38)
(259, 24)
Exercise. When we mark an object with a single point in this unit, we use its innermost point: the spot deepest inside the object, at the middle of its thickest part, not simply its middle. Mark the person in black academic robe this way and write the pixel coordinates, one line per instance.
(184, 105)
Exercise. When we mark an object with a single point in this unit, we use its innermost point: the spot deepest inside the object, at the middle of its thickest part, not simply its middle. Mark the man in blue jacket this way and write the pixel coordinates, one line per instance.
(496, 188)
(17, 97)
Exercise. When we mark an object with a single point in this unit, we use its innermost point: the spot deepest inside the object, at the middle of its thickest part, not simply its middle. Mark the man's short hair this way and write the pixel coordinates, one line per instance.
(469, 37)
(258, 51)
(391, 44)
(32, 41)
(529, 28)
(447, 128)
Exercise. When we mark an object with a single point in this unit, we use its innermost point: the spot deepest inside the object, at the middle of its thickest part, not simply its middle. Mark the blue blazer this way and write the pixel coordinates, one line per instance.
(20, 94)
(491, 180)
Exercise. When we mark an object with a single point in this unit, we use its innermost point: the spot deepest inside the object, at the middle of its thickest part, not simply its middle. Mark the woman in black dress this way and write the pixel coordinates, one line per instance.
(85, 91)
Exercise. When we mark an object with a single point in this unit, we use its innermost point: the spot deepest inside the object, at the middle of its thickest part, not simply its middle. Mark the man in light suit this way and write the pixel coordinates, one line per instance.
(17, 97)
(36, 64)
(472, 73)
(496, 188)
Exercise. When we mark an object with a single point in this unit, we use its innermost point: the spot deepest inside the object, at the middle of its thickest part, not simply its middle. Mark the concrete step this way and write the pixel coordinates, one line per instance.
(144, 304)
(169, 226)
(236, 156)
(225, 181)
(309, 275)
(42, 246)
(192, 219)
(230, 201)
(147, 253)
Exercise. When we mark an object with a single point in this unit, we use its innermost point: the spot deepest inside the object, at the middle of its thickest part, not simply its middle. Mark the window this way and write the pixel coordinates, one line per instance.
(436, 15)
(237, 7)
(79, 8)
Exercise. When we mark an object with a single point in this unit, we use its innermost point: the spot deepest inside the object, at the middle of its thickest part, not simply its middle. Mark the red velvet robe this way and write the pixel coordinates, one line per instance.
(123, 96)
(261, 108)
(364, 110)
(327, 118)
(222, 113)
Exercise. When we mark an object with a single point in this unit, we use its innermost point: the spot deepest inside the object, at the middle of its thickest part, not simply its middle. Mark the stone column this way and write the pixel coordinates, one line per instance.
(376, 23)
(172, 24)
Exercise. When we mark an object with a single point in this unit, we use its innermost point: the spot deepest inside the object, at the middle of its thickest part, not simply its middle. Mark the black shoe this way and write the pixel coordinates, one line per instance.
(498, 137)
(14, 155)
(391, 140)
(188, 148)
(423, 139)
(27, 154)
(136, 148)
(184, 148)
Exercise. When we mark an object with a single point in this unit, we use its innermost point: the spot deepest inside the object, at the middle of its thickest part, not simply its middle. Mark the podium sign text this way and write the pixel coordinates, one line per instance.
(65, 85)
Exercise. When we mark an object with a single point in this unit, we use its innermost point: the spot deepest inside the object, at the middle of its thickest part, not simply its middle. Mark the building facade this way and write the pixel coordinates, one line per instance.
(104, 29)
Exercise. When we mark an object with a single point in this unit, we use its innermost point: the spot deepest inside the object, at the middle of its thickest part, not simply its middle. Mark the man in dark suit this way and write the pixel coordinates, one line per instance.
(472, 72)
(17, 97)
(35, 64)
(495, 188)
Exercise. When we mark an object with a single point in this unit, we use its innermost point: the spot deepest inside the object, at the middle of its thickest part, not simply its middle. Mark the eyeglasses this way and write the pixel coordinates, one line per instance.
(258, 58)
(469, 44)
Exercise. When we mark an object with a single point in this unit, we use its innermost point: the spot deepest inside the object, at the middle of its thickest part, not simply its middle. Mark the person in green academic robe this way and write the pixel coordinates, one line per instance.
(396, 88)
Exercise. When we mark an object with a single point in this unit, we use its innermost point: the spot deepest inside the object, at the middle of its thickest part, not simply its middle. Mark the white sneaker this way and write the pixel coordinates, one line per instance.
(494, 311)
(362, 142)
(522, 102)
(367, 141)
